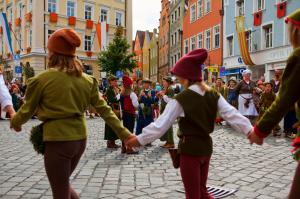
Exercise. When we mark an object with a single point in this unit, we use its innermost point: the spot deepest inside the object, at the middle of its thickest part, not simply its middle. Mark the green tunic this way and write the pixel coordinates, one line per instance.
(168, 136)
(266, 101)
(289, 95)
(61, 101)
(113, 102)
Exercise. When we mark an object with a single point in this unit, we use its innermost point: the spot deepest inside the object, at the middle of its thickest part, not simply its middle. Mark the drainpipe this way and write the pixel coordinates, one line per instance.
(45, 57)
(222, 33)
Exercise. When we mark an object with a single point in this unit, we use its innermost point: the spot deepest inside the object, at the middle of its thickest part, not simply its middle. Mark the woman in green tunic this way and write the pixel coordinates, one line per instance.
(60, 95)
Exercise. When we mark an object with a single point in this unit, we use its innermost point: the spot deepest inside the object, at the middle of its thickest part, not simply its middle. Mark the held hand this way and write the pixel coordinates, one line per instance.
(16, 128)
(132, 142)
(253, 138)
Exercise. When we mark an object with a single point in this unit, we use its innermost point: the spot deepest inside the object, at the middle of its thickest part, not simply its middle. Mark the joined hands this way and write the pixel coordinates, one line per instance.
(132, 142)
(253, 138)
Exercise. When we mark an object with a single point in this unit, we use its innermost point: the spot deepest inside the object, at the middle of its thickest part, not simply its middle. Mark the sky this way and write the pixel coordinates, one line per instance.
(146, 15)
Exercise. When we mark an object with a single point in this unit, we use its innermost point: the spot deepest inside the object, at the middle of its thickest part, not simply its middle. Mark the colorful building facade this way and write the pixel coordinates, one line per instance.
(138, 50)
(163, 38)
(176, 25)
(266, 35)
(146, 54)
(33, 21)
(202, 28)
(154, 57)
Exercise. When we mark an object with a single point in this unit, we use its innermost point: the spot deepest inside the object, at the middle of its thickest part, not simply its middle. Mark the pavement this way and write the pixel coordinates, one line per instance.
(263, 172)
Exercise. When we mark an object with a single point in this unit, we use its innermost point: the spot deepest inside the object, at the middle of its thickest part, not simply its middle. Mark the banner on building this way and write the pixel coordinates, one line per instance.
(101, 31)
(6, 32)
(213, 69)
(240, 29)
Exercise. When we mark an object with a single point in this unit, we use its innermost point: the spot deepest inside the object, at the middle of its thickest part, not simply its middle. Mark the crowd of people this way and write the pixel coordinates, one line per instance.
(140, 113)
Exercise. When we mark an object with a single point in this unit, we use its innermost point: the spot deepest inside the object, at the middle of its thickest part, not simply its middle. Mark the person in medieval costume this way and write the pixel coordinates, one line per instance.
(112, 96)
(223, 90)
(289, 96)
(245, 91)
(165, 96)
(147, 99)
(129, 104)
(231, 94)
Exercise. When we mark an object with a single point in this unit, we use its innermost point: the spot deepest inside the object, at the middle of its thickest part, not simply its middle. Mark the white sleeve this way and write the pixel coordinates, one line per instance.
(234, 117)
(5, 97)
(158, 128)
(166, 98)
(118, 96)
(134, 99)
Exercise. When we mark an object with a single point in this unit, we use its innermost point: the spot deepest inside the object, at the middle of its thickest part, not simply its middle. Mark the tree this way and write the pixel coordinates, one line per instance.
(117, 56)
(28, 71)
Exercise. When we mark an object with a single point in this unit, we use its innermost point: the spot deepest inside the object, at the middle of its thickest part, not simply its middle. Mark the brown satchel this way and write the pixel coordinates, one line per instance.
(175, 156)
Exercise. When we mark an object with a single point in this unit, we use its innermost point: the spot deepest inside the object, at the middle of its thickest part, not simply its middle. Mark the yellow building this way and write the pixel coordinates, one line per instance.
(146, 54)
(33, 21)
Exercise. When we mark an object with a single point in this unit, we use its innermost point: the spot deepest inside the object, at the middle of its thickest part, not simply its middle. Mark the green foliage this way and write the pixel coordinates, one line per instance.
(117, 57)
(28, 71)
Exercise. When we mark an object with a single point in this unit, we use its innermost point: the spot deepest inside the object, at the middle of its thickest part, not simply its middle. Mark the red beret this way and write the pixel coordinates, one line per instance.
(189, 66)
(127, 82)
(64, 41)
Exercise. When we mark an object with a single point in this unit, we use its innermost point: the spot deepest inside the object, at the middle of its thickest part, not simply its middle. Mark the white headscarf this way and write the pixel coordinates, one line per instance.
(247, 71)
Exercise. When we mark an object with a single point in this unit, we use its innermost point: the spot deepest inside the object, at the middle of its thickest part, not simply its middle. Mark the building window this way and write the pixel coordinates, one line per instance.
(240, 8)
(186, 46)
(119, 18)
(216, 43)
(172, 61)
(200, 40)
(29, 5)
(175, 15)
(88, 11)
(87, 43)
(249, 40)
(230, 46)
(172, 18)
(200, 8)
(175, 59)
(20, 41)
(259, 5)
(175, 38)
(268, 36)
(208, 39)
(104, 15)
(29, 41)
(51, 5)
(193, 13)
(10, 14)
(50, 33)
(19, 10)
(193, 43)
(172, 40)
(207, 6)
(179, 11)
(178, 56)
(70, 8)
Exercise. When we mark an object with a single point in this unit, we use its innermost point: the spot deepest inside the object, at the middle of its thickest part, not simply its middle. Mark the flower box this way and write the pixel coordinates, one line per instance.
(28, 50)
(89, 53)
(28, 17)
(53, 17)
(89, 24)
(72, 21)
(18, 22)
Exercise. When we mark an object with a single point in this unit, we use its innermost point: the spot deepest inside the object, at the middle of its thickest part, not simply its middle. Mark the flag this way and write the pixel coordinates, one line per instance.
(281, 9)
(257, 18)
(102, 30)
(240, 29)
(6, 32)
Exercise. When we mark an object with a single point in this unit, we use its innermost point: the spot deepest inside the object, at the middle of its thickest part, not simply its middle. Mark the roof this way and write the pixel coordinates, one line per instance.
(141, 35)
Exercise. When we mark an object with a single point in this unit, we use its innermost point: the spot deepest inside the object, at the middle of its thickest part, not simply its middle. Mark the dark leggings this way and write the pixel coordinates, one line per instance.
(61, 158)
(128, 121)
(295, 191)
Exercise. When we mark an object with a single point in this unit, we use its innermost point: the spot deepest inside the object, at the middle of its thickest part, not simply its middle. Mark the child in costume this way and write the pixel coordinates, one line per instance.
(112, 96)
(61, 94)
(165, 96)
(231, 96)
(196, 107)
(222, 89)
(129, 104)
(147, 99)
(289, 95)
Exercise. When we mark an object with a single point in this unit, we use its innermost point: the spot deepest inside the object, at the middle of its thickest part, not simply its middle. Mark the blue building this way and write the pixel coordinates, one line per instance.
(266, 35)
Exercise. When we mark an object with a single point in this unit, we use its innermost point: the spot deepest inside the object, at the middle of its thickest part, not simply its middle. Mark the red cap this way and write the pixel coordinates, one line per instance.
(64, 41)
(189, 66)
(127, 82)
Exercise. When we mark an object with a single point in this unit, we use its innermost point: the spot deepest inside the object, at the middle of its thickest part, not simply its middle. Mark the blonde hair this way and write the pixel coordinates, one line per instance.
(70, 65)
(294, 35)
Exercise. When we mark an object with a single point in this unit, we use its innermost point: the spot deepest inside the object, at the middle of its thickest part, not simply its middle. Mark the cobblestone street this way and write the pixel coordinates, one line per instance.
(256, 172)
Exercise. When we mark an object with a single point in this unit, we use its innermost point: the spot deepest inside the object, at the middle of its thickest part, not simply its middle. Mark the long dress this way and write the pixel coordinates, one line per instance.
(168, 136)
(246, 104)
(113, 102)
(145, 112)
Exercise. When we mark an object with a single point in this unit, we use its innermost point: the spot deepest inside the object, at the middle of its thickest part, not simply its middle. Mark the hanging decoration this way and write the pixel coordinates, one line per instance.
(240, 29)
(281, 9)
(6, 32)
(257, 18)
(101, 31)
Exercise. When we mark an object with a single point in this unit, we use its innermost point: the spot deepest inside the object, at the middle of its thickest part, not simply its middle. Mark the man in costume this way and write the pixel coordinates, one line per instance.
(112, 96)
(147, 99)
(165, 96)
